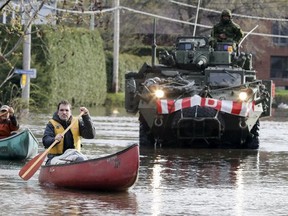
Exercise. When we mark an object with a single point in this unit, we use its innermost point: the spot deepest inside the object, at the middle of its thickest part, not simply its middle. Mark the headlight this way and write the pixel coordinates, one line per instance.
(246, 94)
(159, 93)
(243, 96)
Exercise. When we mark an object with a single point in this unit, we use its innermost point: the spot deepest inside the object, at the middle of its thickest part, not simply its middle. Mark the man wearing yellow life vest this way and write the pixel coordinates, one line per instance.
(61, 119)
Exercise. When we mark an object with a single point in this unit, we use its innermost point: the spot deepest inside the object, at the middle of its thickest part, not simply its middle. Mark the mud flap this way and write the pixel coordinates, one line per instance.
(268, 84)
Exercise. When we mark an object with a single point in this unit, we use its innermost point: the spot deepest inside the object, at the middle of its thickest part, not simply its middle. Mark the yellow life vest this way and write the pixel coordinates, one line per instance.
(58, 128)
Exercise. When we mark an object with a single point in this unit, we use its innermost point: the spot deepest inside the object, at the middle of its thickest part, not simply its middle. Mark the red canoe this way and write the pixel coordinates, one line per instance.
(116, 172)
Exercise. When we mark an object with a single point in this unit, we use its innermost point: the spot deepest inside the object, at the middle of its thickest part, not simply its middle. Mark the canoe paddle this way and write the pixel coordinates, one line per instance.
(33, 165)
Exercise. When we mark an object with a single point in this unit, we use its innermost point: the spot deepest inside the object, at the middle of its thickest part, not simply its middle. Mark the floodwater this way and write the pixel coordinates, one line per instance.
(171, 181)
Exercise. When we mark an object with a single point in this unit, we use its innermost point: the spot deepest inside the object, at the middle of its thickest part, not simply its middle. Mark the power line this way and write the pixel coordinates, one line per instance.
(236, 15)
(157, 16)
(189, 23)
(80, 12)
(172, 1)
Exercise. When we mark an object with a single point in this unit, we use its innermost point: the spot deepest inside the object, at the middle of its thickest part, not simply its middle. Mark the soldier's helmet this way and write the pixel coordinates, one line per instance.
(226, 12)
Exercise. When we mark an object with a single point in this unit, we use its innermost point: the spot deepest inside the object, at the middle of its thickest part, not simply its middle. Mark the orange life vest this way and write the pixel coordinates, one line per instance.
(58, 128)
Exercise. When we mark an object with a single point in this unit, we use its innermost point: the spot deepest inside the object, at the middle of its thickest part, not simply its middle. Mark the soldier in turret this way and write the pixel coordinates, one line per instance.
(226, 29)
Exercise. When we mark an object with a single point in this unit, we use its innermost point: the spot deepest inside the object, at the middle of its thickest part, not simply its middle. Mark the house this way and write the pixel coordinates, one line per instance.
(272, 63)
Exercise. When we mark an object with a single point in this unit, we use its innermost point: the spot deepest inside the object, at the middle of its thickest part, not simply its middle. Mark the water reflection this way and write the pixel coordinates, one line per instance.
(90, 203)
(11, 164)
(196, 167)
(171, 181)
(156, 185)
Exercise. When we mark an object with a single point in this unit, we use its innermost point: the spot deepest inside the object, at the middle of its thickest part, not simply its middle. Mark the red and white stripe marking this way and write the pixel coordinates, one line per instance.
(232, 107)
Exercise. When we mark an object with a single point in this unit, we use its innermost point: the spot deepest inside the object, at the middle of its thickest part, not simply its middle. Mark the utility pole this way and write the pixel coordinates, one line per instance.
(25, 80)
(115, 85)
(92, 17)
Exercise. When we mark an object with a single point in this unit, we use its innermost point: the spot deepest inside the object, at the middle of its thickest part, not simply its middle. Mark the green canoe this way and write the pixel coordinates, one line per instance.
(19, 146)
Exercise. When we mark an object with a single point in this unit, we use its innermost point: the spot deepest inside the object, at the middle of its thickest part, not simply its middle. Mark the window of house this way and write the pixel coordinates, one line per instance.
(279, 67)
(280, 28)
(7, 17)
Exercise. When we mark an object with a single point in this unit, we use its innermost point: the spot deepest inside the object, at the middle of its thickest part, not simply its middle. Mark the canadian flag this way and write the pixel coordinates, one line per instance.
(165, 106)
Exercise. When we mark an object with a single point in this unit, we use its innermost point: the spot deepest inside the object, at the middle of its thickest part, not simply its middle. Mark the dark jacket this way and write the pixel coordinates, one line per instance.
(230, 29)
(86, 130)
(7, 126)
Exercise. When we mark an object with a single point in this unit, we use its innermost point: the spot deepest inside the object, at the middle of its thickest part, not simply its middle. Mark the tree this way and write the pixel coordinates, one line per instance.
(10, 52)
(13, 34)
(137, 16)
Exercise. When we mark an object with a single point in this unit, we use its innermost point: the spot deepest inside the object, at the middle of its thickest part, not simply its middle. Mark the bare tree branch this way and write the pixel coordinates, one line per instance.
(4, 57)
(25, 29)
(4, 5)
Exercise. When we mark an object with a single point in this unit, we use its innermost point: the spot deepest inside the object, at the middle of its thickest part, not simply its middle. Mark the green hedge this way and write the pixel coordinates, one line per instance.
(70, 65)
(281, 96)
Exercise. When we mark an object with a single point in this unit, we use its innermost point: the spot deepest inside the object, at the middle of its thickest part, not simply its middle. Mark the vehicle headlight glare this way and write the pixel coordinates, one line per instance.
(159, 93)
(243, 96)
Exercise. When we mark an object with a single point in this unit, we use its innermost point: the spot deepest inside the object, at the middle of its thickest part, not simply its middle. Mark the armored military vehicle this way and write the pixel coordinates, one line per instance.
(198, 95)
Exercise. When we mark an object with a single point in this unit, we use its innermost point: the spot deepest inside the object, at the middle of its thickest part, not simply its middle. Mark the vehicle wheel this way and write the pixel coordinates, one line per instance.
(252, 142)
(146, 138)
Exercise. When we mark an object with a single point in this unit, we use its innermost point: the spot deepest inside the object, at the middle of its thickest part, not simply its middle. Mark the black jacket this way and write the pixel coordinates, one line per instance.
(86, 130)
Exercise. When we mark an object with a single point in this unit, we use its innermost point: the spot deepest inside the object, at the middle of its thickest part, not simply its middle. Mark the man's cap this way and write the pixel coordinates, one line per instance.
(4, 107)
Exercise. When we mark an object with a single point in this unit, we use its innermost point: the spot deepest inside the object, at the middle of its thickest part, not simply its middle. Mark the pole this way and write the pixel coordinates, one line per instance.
(92, 18)
(26, 58)
(115, 86)
(196, 18)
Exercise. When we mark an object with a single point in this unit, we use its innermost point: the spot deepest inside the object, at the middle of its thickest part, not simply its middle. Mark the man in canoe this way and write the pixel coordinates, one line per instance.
(55, 132)
(8, 121)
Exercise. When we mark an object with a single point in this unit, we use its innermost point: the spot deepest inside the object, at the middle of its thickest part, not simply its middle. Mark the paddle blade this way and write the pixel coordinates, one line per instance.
(32, 166)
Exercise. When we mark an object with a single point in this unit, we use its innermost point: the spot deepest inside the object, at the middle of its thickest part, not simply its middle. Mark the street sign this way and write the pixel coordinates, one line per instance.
(23, 80)
(31, 72)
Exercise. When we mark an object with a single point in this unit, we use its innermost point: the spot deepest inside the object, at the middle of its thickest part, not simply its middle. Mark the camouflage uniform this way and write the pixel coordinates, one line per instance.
(226, 30)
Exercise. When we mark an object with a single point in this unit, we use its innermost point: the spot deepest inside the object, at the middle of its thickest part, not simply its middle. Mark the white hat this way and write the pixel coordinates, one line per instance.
(4, 107)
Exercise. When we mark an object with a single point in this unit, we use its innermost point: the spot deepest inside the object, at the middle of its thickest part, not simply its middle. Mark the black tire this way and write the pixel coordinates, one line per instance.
(146, 138)
(252, 141)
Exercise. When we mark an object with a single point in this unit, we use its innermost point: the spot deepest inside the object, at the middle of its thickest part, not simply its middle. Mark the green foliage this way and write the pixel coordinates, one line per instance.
(281, 92)
(115, 100)
(127, 63)
(8, 92)
(139, 50)
(281, 96)
(71, 66)
(8, 38)
(109, 70)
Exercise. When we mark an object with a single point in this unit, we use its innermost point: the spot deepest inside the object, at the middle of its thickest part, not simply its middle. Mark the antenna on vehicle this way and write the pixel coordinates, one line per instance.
(247, 35)
(154, 44)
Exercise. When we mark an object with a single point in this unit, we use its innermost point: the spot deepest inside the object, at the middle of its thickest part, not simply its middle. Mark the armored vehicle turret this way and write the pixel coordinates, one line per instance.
(199, 95)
